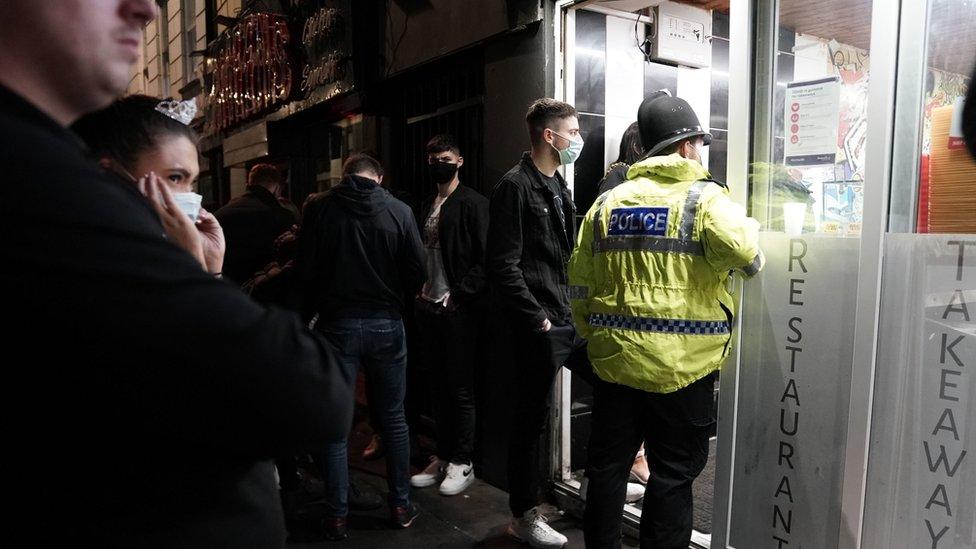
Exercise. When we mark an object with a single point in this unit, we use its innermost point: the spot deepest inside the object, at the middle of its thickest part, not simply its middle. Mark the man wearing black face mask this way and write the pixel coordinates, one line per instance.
(454, 224)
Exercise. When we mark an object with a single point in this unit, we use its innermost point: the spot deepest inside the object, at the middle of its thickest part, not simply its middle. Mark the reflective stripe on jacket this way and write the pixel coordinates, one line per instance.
(648, 275)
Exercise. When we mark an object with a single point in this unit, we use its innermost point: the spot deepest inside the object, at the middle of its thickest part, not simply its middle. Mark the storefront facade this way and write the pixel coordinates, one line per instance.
(845, 416)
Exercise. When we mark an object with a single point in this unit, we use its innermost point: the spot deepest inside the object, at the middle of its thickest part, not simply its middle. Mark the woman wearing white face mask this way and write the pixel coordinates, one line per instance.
(149, 143)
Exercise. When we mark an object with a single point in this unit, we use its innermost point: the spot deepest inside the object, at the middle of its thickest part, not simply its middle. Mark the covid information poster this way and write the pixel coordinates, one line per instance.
(812, 115)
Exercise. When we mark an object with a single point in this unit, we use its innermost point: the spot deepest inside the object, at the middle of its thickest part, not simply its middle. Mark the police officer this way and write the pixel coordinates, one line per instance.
(648, 281)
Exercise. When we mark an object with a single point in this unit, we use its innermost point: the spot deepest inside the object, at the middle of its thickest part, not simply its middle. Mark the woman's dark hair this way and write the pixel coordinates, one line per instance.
(631, 147)
(129, 127)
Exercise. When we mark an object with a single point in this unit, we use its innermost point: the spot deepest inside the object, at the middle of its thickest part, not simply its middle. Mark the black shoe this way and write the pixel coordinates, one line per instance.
(361, 500)
(403, 517)
(335, 529)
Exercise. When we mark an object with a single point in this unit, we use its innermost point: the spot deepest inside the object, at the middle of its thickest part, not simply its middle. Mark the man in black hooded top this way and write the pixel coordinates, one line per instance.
(360, 255)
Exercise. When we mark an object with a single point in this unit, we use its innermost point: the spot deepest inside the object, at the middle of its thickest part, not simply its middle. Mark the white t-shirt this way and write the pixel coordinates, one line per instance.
(436, 289)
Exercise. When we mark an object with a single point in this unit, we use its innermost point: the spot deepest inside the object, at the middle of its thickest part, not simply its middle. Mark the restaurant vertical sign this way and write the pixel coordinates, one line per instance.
(794, 378)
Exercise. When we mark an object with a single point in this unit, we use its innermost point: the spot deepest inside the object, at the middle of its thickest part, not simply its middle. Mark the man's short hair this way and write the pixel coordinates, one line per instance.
(442, 143)
(674, 147)
(362, 163)
(542, 113)
(264, 175)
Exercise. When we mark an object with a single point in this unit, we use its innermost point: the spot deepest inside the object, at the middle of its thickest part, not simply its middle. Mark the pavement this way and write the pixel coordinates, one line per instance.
(476, 518)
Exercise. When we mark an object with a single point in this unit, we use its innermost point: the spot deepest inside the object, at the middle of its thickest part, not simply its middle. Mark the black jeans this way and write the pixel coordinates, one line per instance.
(675, 428)
(450, 348)
(538, 357)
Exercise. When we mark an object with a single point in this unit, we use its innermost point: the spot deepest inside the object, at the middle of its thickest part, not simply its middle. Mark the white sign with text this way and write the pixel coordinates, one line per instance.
(921, 489)
(812, 117)
(794, 386)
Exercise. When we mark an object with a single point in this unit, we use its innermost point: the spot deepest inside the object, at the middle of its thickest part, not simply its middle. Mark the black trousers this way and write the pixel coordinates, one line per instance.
(450, 349)
(675, 428)
(538, 357)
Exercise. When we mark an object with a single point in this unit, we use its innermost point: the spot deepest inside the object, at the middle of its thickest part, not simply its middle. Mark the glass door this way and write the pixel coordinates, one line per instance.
(921, 479)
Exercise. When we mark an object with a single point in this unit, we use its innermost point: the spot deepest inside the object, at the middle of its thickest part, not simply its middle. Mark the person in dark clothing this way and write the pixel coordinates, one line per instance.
(138, 358)
(630, 151)
(252, 222)
(455, 229)
(530, 238)
(359, 254)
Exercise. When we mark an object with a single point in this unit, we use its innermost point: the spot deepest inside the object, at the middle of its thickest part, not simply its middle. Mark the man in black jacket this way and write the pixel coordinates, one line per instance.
(252, 222)
(455, 229)
(530, 238)
(148, 394)
(359, 255)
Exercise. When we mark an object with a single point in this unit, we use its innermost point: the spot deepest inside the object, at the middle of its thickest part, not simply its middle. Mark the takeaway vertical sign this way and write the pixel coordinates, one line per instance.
(921, 486)
(948, 385)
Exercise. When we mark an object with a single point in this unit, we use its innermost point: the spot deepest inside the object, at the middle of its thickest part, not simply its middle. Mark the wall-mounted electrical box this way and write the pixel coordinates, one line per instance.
(682, 35)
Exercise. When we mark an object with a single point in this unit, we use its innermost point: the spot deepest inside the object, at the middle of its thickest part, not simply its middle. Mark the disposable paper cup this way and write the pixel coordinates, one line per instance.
(793, 216)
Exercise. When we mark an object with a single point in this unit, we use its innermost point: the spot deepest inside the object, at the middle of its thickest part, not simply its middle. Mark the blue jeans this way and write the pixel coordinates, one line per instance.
(380, 347)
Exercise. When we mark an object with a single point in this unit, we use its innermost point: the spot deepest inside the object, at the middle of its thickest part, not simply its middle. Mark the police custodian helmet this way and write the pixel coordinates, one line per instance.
(664, 120)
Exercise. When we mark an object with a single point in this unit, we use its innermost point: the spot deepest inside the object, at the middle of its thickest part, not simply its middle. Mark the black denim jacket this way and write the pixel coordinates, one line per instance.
(528, 247)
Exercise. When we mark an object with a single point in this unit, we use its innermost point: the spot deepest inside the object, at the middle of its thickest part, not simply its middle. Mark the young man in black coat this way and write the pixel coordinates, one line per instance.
(530, 238)
(454, 222)
(148, 396)
(252, 222)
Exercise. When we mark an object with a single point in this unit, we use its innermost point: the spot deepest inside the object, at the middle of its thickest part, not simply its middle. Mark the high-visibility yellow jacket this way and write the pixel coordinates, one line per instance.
(648, 275)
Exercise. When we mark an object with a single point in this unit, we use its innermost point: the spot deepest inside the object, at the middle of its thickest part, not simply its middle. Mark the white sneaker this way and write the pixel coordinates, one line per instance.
(533, 529)
(457, 479)
(635, 491)
(430, 476)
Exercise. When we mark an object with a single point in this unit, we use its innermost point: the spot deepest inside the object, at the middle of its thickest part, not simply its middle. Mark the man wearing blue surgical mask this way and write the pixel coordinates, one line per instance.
(530, 238)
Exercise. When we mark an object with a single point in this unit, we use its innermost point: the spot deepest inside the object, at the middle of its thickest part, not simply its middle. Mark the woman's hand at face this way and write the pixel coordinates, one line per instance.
(178, 227)
(212, 236)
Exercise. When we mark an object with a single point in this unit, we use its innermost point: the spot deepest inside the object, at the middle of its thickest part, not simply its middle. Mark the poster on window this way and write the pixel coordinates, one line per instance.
(812, 114)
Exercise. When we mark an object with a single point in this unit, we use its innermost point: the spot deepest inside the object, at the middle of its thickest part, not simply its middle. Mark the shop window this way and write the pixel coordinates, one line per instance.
(162, 45)
(946, 203)
(189, 11)
(921, 480)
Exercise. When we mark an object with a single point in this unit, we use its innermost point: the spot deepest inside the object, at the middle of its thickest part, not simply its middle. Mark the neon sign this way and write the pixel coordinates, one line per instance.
(253, 72)
(324, 41)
